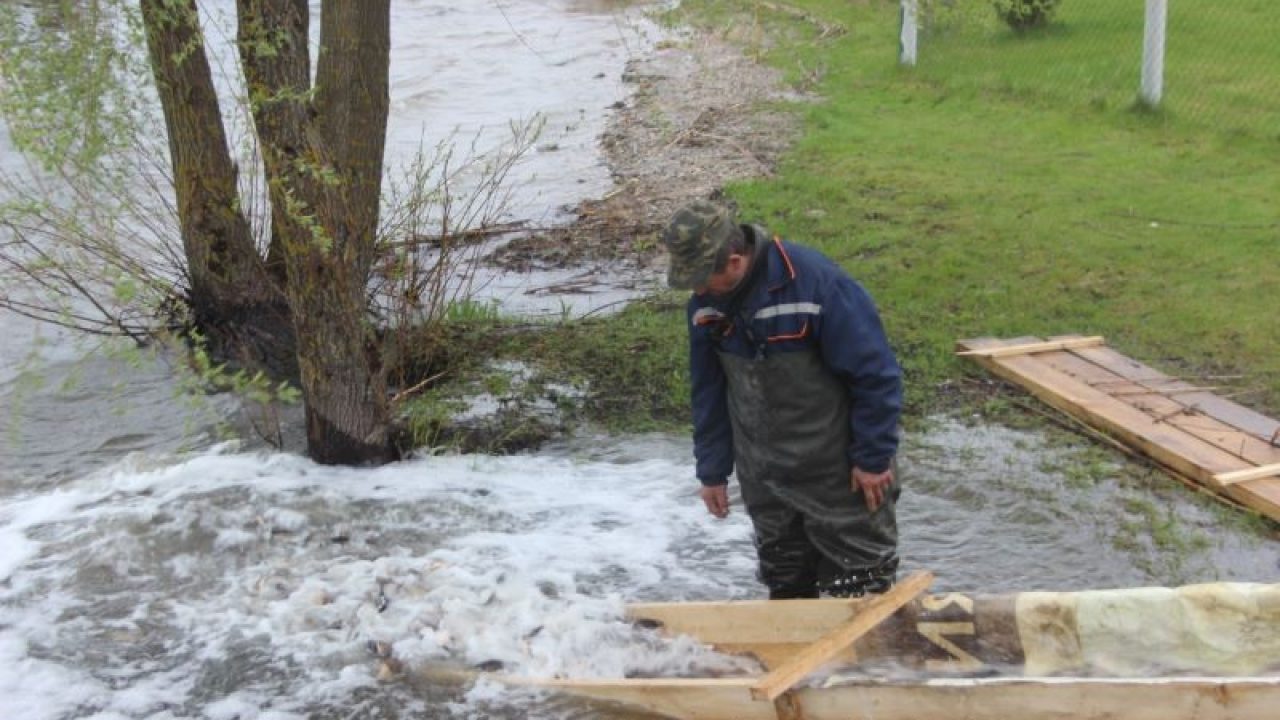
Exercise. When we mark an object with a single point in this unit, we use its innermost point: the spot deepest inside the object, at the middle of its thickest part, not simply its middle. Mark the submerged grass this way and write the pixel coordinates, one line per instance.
(633, 365)
(625, 372)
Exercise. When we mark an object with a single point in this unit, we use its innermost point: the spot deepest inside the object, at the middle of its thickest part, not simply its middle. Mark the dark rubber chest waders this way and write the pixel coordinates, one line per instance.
(790, 420)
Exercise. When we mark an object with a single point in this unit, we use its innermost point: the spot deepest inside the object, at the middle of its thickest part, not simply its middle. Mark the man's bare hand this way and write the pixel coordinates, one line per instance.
(873, 485)
(716, 498)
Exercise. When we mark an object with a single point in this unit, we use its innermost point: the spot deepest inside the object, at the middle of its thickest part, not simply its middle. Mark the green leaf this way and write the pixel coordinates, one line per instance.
(125, 290)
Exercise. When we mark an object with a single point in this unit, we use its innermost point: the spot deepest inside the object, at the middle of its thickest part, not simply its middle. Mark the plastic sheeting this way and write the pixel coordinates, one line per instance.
(1218, 628)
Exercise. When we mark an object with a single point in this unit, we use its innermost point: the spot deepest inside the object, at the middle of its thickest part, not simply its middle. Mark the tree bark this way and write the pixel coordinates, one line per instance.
(322, 151)
(232, 299)
(352, 100)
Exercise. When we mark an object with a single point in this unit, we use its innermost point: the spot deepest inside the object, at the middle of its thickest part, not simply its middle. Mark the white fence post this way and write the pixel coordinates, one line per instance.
(1153, 52)
(907, 40)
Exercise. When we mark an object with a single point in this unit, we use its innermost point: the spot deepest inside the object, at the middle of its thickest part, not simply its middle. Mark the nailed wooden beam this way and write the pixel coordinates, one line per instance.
(1239, 476)
(749, 622)
(994, 698)
(1035, 347)
(823, 649)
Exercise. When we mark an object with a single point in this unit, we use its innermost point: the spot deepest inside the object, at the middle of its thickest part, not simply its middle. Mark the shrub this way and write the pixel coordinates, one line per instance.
(1025, 14)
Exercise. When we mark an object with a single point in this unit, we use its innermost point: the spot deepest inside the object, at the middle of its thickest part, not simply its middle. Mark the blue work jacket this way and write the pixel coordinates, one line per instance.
(800, 302)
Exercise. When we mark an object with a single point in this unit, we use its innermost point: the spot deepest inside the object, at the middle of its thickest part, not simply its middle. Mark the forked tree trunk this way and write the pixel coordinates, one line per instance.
(323, 158)
(232, 299)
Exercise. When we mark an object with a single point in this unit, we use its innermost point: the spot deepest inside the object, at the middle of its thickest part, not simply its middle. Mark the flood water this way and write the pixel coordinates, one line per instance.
(151, 568)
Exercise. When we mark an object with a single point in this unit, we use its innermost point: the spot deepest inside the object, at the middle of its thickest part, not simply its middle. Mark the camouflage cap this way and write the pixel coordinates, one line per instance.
(693, 238)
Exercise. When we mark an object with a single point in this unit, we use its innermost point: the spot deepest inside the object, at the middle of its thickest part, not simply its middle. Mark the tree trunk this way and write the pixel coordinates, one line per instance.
(351, 102)
(323, 157)
(232, 299)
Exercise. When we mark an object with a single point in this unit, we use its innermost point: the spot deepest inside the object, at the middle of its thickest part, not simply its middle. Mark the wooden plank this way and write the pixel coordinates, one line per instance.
(770, 655)
(1193, 459)
(1101, 410)
(959, 699)
(1177, 412)
(1048, 699)
(1219, 421)
(1220, 408)
(822, 650)
(1262, 494)
(1024, 348)
(1144, 389)
(1239, 476)
(686, 698)
(750, 622)
(769, 630)
(1191, 413)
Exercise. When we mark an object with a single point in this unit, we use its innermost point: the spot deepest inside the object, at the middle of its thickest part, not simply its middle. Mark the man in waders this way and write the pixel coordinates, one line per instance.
(795, 387)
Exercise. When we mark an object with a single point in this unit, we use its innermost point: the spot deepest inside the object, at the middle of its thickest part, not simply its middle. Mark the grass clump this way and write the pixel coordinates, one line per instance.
(633, 366)
(532, 381)
(1163, 544)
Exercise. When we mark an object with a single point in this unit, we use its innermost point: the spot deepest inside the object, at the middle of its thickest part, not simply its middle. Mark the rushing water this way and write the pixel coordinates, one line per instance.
(226, 583)
(148, 570)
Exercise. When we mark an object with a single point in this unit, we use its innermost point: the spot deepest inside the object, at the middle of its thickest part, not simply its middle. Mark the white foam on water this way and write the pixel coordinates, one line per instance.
(19, 516)
(245, 585)
(31, 687)
(233, 583)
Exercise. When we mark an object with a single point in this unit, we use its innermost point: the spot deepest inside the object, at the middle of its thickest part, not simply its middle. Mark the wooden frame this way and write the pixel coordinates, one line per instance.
(1044, 635)
(1221, 446)
(829, 646)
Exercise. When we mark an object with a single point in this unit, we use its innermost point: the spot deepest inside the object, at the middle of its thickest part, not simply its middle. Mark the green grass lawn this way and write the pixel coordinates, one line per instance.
(1008, 186)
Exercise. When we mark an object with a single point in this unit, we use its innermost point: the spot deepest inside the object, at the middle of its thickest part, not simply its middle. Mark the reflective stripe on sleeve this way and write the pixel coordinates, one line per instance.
(706, 315)
(804, 308)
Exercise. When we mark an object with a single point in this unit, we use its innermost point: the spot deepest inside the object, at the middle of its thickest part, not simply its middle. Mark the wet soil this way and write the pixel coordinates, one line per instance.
(701, 113)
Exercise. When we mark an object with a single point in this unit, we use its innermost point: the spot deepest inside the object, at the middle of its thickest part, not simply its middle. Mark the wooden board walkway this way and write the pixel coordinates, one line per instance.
(1218, 444)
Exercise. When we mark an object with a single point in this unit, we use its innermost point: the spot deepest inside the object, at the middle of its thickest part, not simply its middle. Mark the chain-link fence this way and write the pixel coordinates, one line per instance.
(1213, 63)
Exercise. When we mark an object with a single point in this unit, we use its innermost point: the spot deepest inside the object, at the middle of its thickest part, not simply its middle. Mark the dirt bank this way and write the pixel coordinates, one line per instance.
(697, 118)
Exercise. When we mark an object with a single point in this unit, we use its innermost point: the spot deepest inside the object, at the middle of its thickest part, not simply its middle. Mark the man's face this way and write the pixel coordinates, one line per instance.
(723, 282)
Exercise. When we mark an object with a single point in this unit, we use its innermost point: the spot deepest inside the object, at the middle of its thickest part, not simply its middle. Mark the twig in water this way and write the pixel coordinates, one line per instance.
(598, 308)
(410, 391)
